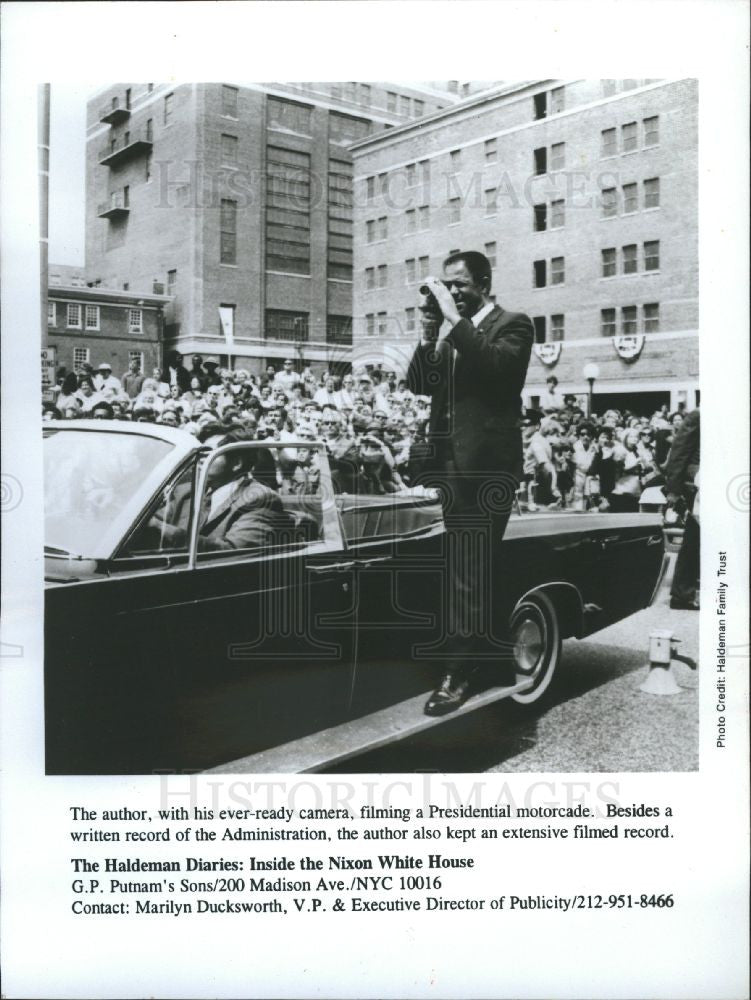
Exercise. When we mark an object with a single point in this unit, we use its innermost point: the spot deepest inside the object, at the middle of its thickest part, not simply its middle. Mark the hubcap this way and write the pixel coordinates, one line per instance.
(529, 646)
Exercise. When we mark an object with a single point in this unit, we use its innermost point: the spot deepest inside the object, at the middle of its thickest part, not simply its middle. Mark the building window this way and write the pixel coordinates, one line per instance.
(630, 137)
(491, 253)
(607, 322)
(411, 216)
(409, 315)
(135, 321)
(391, 102)
(411, 174)
(651, 317)
(81, 357)
(419, 107)
(651, 131)
(51, 313)
(557, 100)
(288, 210)
(150, 130)
(288, 115)
(628, 320)
(369, 279)
(340, 227)
(540, 218)
(382, 319)
(608, 262)
(652, 255)
(609, 87)
(370, 324)
(171, 281)
(91, 317)
(370, 231)
(557, 214)
(630, 261)
(168, 108)
(409, 267)
(557, 327)
(539, 272)
(282, 324)
(629, 84)
(370, 188)
(541, 105)
(339, 329)
(383, 275)
(383, 183)
(424, 166)
(423, 216)
(557, 271)
(424, 266)
(609, 142)
(630, 198)
(404, 105)
(229, 149)
(229, 101)
(652, 193)
(491, 195)
(540, 332)
(609, 203)
(228, 231)
(491, 150)
(365, 93)
(541, 160)
(73, 318)
(558, 156)
(455, 160)
(136, 356)
(455, 211)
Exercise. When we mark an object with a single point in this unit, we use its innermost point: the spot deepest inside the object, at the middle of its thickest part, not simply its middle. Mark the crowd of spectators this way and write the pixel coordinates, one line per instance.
(374, 428)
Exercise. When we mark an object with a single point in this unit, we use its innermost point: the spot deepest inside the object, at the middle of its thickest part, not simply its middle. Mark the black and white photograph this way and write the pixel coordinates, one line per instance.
(364, 391)
(364, 551)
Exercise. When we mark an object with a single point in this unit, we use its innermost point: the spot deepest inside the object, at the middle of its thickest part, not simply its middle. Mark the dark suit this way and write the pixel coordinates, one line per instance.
(680, 472)
(474, 378)
(183, 377)
(251, 517)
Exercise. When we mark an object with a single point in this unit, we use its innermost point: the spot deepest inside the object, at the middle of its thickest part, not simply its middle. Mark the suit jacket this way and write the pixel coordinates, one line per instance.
(476, 397)
(183, 377)
(683, 460)
(251, 517)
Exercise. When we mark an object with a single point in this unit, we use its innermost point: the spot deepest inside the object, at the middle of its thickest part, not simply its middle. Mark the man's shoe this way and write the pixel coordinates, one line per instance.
(450, 694)
(677, 605)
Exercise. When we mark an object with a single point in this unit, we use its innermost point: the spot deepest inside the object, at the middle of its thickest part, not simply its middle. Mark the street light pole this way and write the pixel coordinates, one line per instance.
(591, 372)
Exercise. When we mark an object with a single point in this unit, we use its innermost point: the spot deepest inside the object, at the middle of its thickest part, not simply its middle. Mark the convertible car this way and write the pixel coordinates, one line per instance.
(166, 652)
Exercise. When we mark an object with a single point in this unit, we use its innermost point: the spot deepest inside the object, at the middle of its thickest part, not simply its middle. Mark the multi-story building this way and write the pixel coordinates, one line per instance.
(237, 200)
(583, 195)
(99, 325)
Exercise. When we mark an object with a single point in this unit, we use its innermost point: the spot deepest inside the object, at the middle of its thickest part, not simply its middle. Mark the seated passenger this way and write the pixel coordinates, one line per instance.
(238, 512)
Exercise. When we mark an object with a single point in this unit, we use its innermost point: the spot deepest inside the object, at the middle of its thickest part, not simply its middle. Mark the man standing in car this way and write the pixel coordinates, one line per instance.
(472, 361)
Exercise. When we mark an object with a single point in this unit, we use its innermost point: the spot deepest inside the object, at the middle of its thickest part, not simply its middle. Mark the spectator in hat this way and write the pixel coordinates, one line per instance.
(105, 379)
(211, 366)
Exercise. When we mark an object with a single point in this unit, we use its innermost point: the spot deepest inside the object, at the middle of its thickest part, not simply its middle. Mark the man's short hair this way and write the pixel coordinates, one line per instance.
(552, 378)
(476, 263)
(103, 405)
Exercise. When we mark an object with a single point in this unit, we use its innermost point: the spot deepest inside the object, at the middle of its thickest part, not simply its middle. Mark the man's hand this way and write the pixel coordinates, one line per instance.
(444, 298)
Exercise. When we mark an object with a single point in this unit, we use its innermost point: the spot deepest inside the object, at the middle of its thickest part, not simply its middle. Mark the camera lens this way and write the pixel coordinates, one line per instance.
(425, 290)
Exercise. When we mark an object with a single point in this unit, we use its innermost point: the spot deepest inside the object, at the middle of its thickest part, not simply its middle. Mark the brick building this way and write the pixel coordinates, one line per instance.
(98, 325)
(237, 200)
(583, 194)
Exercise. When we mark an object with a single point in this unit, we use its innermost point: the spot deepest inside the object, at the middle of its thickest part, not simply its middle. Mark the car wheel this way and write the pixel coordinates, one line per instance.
(536, 638)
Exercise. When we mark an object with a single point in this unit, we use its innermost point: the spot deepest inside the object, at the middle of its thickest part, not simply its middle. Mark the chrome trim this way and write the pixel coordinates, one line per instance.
(660, 578)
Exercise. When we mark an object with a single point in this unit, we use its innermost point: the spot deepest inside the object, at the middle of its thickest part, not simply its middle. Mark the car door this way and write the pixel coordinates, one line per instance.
(229, 650)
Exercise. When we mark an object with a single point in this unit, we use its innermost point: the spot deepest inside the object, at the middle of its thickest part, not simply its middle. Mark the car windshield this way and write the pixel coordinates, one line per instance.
(89, 478)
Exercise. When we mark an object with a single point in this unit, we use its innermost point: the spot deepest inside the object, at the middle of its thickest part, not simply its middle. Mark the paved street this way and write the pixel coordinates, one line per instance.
(596, 719)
